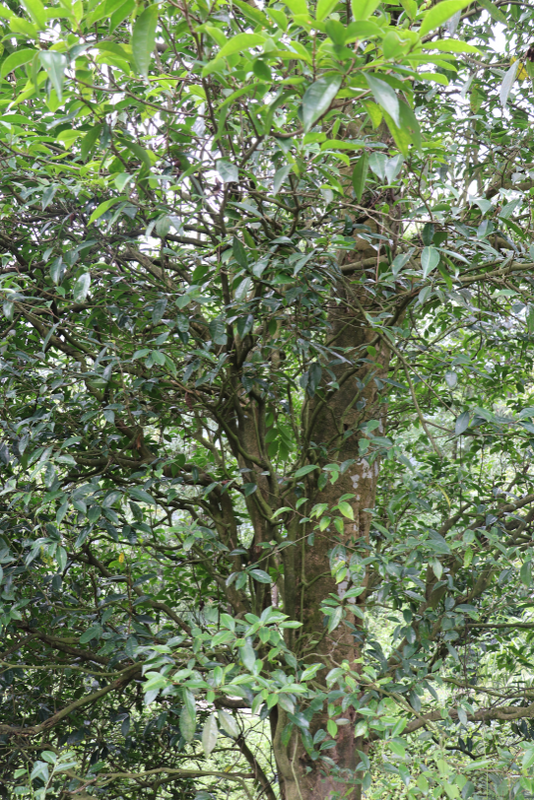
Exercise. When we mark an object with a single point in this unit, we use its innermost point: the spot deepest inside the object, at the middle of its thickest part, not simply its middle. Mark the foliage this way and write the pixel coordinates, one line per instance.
(266, 399)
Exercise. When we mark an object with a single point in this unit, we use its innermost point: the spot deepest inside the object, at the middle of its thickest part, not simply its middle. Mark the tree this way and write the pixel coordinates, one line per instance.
(266, 369)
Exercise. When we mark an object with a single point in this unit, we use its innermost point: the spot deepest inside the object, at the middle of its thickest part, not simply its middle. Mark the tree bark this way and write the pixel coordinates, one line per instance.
(334, 420)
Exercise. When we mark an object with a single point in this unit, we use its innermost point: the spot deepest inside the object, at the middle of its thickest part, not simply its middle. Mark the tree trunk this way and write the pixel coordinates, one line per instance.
(334, 433)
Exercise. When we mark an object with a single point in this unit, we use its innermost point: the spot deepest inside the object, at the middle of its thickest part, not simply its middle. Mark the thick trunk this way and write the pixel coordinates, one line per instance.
(335, 433)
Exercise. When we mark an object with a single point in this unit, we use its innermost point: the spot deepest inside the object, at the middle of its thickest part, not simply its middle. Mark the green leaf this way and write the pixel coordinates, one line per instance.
(297, 7)
(362, 9)
(141, 495)
(451, 379)
(495, 12)
(81, 288)
(55, 64)
(429, 260)
(139, 152)
(335, 618)
(440, 13)
(452, 46)
(331, 727)
(528, 757)
(188, 724)
(40, 771)
(247, 654)
(508, 82)
(305, 470)
(36, 11)
(227, 171)
(346, 509)
(385, 97)
(398, 746)
(359, 175)
(525, 573)
(144, 38)
(260, 575)
(279, 177)
(94, 632)
(241, 43)
(311, 672)
(89, 141)
(105, 206)
(318, 98)
(462, 423)
(228, 723)
(217, 331)
(159, 310)
(324, 8)
(209, 735)
(239, 252)
(16, 59)
(155, 681)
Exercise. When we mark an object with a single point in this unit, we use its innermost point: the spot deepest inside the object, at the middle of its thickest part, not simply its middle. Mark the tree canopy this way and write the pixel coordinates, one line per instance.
(266, 399)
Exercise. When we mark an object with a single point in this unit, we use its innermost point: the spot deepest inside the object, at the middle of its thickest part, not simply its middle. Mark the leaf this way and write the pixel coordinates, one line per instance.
(452, 46)
(429, 260)
(318, 98)
(159, 310)
(279, 177)
(227, 171)
(89, 141)
(508, 82)
(188, 722)
(36, 11)
(142, 496)
(378, 163)
(81, 287)
(243, 289)
(217, 331)
(451, 378)
(297, 7)
(241, 43)
(260, 575)
(239, 252)
(144, 39)
(228, 723)
(209, 735)
(528, 758)
(462, 423)
(525, 573)
(335, 618)
(393, 167)
(247, 654)
(346, 509)
(324, 8)
(54, 64)
(94, 632)
(139, 152)
(397, 746)
(359, 175)
(103, 207)
(40, 771)
(385, 96)
(48, 195)
(305, 470)
(495, 12)
(440, 13)
(16, 59)
(362, 9)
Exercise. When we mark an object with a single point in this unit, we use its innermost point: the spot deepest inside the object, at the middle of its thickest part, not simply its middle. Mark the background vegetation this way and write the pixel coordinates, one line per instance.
(266, 489)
